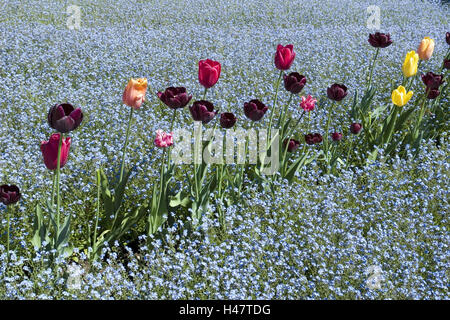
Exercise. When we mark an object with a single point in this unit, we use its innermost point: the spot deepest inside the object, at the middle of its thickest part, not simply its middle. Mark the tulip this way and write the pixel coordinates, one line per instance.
(447, 38)
(163, 140)
(313, 138)
(208, 72)
(400, 97)
(410, 64)
(175, 98)
(337, 92)
(134, 94)
(355, 128)
(431, 80)
(292, 146)
(255, 109)
(426, 47)
(284, 57)
(64, 117)
(447, 64)
(380, 40)
(50, 151)
(9, 194)
(308, 103)
(227, 120)
(336, 136)
(294, 82)
(203, 111)
(432, 93)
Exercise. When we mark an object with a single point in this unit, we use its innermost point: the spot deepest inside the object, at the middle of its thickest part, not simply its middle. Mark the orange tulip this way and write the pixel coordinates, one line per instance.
(426, 47)
(134, 93)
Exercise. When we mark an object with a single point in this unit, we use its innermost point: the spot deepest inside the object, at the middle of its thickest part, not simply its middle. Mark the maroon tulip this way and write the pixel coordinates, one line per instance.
(175, 98)
(337, 92)
(203, 111)
(292, 146)
(284, 57)
(64, 117)
(50, 151)
(432, 93)
(313, 138)
(447, 63)
(255, 109)
(380, 40)
(294, 82)
(208, 72)
(227, 120)
(447, 38)
(432, 81)
(9, 194)
(355, 128)
(336, 136)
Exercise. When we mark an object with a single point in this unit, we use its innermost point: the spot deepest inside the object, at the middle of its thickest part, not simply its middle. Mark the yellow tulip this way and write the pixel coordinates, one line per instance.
(426, 48)
(410, 64)
(134, 93)
(400, 97)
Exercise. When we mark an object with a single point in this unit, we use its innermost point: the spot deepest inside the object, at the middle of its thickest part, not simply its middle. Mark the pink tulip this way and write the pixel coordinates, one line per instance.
(163, 140)
(50, 151)
(308, 103)
(134, 94)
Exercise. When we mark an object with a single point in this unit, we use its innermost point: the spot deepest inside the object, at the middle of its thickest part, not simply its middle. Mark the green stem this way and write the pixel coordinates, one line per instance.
(98, 212)
(53, 189)
(162, 176)
(204, 93)
(58, 177)
(283, 113)
(7, 237)
(325, 138)
(274, 106)
(373, 67)
(125, 145)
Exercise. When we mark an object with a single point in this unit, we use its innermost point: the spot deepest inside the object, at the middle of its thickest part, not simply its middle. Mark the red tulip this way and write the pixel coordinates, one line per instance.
(208, 72)
(50, 151)
(284, 57)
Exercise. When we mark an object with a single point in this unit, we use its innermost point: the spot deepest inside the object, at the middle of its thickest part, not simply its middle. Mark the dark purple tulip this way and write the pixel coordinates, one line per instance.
(203, 111)
(432, 81)
(355, 128)
(9, 194)
(294, 82)
(175, 98)
(432, 93)
(64, 117)
(292, 146)
(313, 138)
(336, 136)
(255, 109)
(447, 64)
(337, 92)
(447, 38)
(380, 40)
(227, 120)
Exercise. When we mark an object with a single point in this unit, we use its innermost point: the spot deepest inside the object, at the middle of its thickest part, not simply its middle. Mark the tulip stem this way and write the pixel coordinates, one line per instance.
(373, 67)
(125, 145)
(58, 178)
(204, 93)
(274, 105)
(7, 237)
(282, 118)
(98, 213)
(53, 189)
(325, 138)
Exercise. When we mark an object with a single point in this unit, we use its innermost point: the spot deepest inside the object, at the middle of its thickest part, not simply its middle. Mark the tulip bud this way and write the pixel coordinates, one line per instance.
(355, 128)
(400, 97)
(202, 111)
(308, 103)
(292, 146)
(336, 136)
(447, 38)
(284, 57)
(432, 81)
(64, 117)
(380, 40)
(337, 92)
(50, 151)
(410, 64)
(134, 93)
(227, 120)
(163, 140)
(426, 47)
(313, 138)
(294, 82)
(208, 72)
(175, 98)
(9, 194)
(255, 109)
(447, 64)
